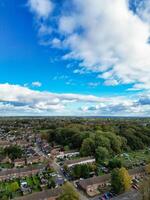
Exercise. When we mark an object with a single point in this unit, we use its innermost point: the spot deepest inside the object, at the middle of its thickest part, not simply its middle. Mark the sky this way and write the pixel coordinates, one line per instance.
(75, 57)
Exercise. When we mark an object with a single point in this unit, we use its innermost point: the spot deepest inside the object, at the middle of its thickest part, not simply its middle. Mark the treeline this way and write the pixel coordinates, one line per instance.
(101, 140)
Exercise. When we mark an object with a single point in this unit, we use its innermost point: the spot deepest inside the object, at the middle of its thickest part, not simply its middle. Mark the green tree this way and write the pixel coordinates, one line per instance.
(101, 154)
(5, 197)
(77, 171)
(120, 180)
(14, 186)
(81, 171)
(102, 140)
(115, 163)
(85, 171)
(13, 152)
(115, 142)
(88, 147)
(68, 193)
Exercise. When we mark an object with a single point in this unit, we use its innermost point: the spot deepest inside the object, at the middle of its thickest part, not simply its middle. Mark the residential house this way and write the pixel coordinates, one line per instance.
(20, 172)
(68, 154)
(91, 185)
(4, 159)
(137, 172)
(35, 159)
(51, 194)
(131, 195)
(84, 160)
(19, 162)
(4, 143)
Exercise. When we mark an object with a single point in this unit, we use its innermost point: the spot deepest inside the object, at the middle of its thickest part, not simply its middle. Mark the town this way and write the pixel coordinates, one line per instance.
(86, 158)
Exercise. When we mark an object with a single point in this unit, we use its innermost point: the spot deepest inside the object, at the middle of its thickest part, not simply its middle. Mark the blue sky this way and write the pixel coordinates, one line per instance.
(56, 48)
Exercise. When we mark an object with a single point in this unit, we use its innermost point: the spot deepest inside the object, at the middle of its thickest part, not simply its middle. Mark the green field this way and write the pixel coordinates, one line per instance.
(135, 158)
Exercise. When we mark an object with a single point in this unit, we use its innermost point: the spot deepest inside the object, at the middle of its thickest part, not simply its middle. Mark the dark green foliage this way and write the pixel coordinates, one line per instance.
(101, 154)
(114, 163)
(81, 171)
(13, 152)
(120, 180)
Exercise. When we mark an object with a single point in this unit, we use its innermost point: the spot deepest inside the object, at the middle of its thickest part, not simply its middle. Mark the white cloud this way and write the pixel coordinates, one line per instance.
(105, 37)
(20, 100)
(111, 82)
(44, 30)
(56, 43)
(36, 84)
(41, 8)
(93, 84)
(112, 40)
(143, 10)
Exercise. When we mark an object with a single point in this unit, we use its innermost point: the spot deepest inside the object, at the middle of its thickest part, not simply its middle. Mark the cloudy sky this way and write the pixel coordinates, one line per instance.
(75, 57)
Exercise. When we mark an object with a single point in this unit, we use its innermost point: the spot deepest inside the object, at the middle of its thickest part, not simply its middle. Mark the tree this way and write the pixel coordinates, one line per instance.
(68, 193)
(77, 171)
(13, 152)
(101, 154)
(120, 180)
(14, 186)
(81, 171)
(102, 140)
(88, 147)
(115, 142)
(85, 171)
(145, 189)
(115, 163)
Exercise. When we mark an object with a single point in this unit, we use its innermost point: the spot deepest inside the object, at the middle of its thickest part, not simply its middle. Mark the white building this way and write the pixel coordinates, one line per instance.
(68, 154)
(85, 160)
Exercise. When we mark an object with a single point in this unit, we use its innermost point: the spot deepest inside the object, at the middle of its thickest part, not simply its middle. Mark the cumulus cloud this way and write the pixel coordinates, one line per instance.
(41, 8)
(20, 100)
(143, 9)
(112, 41)
(36, 84)
(106, 37)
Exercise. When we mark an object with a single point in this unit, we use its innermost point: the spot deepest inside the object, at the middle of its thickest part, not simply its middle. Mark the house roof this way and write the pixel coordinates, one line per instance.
(34, 157)
(19, 160)
(20, 170)
(44, 195)
(137, 170)
(99, 179)
(68, 162)
(134, 195)
(71, 151)
(4, 142)
(94, 180)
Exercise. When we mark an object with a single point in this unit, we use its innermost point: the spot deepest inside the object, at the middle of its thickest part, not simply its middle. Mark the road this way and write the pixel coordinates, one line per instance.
(58, 169)
(39, 152)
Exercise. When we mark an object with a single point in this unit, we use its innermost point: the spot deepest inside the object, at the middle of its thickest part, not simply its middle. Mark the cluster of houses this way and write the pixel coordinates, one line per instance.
(51, 194)
(92, 186)
(28, 161)
(43, 145)
(40, 171)
(28, 142)
(20, 172)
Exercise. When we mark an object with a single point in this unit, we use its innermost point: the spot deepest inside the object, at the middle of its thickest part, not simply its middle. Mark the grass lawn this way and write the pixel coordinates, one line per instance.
(135, 157)
(30, 181)
(36, 180)
(6, 165)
